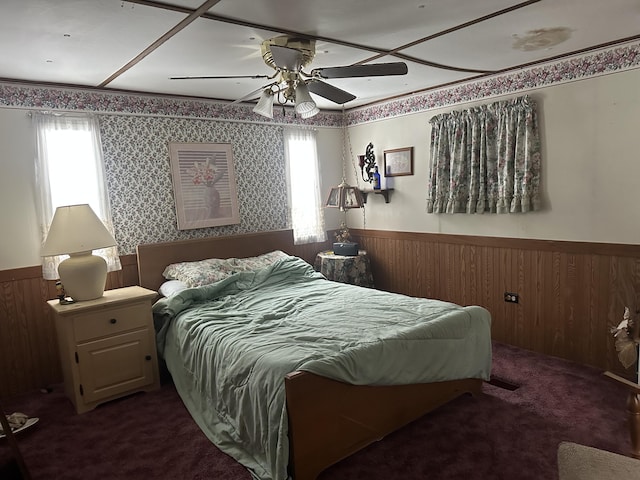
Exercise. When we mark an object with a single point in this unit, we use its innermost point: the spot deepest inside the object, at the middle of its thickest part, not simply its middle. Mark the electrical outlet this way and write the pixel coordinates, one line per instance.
(511, 297)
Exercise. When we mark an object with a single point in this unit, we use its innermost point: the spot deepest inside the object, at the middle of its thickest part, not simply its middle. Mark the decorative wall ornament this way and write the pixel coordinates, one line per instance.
(367, 163)
(398, 162)
(204, 184)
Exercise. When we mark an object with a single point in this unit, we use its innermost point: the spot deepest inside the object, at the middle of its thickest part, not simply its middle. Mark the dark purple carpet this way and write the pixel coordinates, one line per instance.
(501, 434)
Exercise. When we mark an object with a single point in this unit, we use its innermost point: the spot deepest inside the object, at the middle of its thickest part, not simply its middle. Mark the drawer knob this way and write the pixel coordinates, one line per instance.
(113, 321)
(148, 357)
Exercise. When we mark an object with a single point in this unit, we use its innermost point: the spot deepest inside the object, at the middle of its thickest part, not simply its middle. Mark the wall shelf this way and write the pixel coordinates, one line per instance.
(385, 192)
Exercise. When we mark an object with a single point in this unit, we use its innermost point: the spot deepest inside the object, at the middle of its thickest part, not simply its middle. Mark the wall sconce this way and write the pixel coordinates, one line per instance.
(367, 164)
(76, 231)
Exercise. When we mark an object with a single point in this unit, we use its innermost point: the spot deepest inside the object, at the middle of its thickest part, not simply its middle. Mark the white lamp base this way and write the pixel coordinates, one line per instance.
(83, 276)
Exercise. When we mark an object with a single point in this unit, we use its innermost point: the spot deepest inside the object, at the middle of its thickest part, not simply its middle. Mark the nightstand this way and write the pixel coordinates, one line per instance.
(107, 346)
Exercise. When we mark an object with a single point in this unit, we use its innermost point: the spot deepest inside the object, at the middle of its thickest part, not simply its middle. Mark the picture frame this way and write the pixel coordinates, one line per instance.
(204, 185)
(398, 162)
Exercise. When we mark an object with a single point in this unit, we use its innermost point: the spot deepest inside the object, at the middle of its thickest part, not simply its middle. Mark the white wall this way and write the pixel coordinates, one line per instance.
(590, 168)
(19, 242)
(329, 142)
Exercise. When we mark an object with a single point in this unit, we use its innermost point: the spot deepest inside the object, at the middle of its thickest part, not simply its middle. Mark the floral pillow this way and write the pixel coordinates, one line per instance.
(212, 270)
(261, 261)
(202, 272)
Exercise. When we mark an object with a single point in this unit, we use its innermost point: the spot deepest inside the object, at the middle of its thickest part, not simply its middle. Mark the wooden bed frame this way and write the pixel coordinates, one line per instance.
(328, 420)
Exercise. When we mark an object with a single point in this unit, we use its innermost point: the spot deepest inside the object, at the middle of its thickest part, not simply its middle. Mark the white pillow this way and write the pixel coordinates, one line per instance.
(171, 287)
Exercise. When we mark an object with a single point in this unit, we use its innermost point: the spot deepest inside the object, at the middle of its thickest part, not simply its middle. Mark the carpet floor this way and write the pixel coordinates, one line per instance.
(510, 431)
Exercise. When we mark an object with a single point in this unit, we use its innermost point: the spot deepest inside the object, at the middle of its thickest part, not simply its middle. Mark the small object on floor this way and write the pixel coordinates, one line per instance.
(18, 422)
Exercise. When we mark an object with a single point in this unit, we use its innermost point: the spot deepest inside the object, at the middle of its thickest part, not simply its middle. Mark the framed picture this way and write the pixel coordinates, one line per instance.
(204, 184)
(398, 162)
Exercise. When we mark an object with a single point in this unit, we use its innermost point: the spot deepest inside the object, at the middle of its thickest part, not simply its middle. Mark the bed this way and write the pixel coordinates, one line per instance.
(294, 405)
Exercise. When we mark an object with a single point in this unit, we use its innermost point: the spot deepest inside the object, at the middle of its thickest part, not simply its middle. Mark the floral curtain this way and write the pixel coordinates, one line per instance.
(486, 159)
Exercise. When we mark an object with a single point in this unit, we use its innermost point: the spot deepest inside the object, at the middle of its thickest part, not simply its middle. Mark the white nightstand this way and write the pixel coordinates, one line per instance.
(107, 346)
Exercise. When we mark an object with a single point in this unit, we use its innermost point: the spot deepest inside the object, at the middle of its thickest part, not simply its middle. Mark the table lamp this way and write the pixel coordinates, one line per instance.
(76, 230)
(345, 197)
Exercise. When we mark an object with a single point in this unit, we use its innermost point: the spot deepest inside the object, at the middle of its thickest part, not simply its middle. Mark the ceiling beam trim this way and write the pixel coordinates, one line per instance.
(489, 16)
(379, 51)
(191, 17)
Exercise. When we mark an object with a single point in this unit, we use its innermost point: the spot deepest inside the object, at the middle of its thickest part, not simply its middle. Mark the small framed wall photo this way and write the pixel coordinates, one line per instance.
(204, 184)
(398, 162)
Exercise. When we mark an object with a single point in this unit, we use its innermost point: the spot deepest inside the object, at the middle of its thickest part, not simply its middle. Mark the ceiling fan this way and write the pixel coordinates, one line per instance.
(288, 56)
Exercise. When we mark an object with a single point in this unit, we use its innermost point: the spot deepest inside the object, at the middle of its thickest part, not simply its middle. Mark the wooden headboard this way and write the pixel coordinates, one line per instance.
(154, 257)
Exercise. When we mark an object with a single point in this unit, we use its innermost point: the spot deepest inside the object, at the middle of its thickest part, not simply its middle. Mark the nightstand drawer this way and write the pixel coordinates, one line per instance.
(110, 321)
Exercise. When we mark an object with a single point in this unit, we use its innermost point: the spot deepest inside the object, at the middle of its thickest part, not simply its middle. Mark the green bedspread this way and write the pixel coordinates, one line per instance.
(229, 345)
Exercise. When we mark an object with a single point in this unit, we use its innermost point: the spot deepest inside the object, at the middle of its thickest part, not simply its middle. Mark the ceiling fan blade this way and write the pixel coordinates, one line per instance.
(371, 70)
(218, 77)
(286, 58)
(330, 92)
(251, 94)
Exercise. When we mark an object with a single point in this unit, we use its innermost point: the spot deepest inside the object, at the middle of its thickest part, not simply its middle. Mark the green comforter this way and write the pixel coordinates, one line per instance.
(229, 345)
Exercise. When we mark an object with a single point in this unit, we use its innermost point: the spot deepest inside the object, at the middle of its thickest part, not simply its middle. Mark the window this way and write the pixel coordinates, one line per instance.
(303, 182)
(70, 170)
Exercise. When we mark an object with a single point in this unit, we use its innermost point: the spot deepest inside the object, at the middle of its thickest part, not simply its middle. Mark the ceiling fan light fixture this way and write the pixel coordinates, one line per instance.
(311, 113)
(304, 103)
(264, 106)
(288, 56)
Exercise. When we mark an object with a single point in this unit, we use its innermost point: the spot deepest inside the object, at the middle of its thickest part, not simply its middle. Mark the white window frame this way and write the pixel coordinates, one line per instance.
(70, 170)
(306, 212)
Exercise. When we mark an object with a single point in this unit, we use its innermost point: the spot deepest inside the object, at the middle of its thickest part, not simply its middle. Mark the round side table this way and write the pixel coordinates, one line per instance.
(355, 269)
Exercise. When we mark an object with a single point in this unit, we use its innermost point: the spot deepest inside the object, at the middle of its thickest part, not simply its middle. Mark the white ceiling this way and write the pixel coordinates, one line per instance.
(88, 42)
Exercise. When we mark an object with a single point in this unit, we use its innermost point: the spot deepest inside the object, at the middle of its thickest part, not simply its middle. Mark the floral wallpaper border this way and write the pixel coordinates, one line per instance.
(605, 61)
(602, 62)
(27, 95)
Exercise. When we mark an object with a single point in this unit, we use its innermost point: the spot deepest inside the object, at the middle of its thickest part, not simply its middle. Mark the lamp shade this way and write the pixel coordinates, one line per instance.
(310, 113)
(264, 106)
(305, 106)
(76, 230)
(344, 197)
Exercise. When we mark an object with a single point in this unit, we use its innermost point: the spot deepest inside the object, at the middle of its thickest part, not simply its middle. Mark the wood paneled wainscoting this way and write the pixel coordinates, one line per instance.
(570, 293)
(29, 352)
